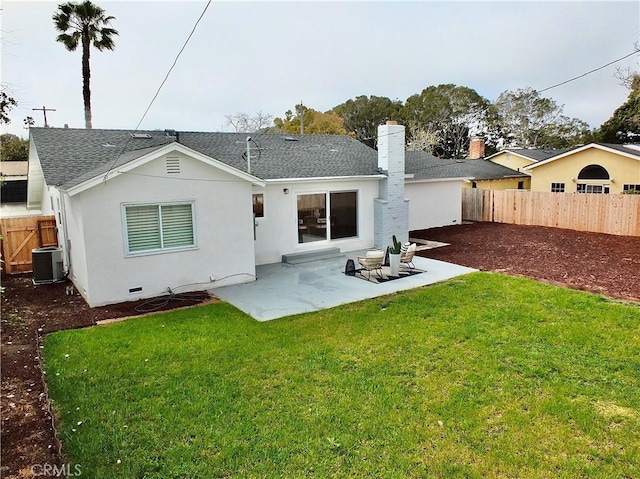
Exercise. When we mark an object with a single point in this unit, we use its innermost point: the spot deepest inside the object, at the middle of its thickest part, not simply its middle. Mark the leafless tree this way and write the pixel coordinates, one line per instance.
(628, 78)
(245, 123)
(420, 139)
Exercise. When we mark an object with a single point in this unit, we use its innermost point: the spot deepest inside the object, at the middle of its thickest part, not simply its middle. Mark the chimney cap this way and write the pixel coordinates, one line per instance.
(392, 122)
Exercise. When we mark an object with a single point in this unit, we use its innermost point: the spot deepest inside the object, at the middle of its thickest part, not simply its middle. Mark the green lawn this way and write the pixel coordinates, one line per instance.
(481, 376)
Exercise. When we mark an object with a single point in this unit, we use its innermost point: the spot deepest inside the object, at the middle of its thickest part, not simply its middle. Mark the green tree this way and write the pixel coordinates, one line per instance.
(313, 122)
(450, 112)
(624, 124)
(84, 24)
(363, 114)
(6, 105)
(527, 120)
(13, 148)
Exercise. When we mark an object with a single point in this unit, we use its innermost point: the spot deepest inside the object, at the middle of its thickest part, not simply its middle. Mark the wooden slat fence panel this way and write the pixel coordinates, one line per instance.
(472, 199)
(612, 214)
(21, 235)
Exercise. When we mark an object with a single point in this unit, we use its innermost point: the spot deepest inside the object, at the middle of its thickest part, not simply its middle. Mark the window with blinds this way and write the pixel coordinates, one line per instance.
(159, 227)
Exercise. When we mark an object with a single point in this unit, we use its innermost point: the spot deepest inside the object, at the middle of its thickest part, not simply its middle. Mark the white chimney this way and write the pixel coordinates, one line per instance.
(391, 208)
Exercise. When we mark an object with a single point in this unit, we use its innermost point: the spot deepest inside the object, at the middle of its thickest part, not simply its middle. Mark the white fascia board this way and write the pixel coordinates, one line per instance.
(169, 148)
(276, 181)
(580, 149)
(460, 179)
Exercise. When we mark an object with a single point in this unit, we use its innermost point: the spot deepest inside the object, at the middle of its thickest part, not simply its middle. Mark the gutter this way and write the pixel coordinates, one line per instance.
(275, 181)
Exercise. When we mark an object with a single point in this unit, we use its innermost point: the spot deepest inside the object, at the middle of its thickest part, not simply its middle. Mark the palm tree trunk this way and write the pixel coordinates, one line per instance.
(86, 77)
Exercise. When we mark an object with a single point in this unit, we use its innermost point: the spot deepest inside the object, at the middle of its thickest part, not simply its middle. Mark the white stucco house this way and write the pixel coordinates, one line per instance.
(140, 213)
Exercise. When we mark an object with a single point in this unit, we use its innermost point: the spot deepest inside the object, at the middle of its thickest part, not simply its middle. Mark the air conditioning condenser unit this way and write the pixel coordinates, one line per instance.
(47, 265)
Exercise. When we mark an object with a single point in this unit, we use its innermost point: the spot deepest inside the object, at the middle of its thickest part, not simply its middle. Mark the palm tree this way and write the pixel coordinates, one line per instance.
(84, 22)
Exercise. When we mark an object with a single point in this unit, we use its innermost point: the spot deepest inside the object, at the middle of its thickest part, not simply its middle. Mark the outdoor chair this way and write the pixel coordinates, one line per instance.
(372, 261)
(407, 251)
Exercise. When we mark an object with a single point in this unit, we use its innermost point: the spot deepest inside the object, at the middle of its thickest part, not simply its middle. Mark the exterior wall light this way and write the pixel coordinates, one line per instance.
(285, 191)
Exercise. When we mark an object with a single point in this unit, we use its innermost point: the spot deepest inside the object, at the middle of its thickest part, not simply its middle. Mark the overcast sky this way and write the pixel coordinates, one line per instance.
(268, 56)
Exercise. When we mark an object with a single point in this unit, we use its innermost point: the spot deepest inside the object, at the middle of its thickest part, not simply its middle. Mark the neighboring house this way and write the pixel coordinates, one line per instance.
(519, 158)
(491, 176)
(432, 181)
(140, 214)
(593, 168)
(13, 192)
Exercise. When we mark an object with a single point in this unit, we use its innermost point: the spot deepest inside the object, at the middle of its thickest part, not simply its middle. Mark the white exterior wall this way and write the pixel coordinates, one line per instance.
(37, 195)
(71, 238)
(223, 227)
(434, 203)
(277, 232)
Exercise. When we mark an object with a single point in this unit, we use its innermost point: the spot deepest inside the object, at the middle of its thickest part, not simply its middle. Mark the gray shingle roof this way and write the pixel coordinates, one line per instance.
(629, 149)
(425, 166)
(537, 154)
(70, 156)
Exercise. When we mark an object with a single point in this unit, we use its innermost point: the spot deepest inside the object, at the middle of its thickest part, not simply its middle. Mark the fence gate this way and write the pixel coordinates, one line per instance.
(21, 235)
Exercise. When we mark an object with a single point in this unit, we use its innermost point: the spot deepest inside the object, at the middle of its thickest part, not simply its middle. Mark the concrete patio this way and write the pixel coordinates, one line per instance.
(284, 289)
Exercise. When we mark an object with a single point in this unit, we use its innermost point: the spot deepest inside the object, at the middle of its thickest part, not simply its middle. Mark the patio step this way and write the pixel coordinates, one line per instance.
(308, 256)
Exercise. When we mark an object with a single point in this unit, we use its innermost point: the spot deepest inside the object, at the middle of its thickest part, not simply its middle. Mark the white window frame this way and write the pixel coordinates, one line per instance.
(161, 249)
(589, 187)
(557, 187)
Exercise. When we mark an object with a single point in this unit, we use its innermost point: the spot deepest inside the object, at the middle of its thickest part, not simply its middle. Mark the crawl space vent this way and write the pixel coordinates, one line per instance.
(173, 166)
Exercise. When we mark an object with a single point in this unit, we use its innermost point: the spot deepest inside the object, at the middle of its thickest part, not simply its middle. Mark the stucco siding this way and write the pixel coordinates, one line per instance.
(433, 204)
(72, 238)
(504, 184)
(622, 170)
(515, 162)
(223, 226)
(277, 231)
(36, 192)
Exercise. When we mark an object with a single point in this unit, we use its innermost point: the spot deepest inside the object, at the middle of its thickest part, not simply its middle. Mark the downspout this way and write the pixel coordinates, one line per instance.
(249, 155)
(66, 247)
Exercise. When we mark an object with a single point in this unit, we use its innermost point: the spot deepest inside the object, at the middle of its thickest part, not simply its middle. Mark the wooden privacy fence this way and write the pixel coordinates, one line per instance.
(612, 214)
(21, 235)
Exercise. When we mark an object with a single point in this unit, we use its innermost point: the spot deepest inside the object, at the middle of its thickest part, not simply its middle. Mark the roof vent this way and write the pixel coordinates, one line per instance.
(289, 138)
(140, 136)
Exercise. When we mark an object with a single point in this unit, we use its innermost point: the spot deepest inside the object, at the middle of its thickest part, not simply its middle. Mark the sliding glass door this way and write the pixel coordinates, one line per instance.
(315, 225)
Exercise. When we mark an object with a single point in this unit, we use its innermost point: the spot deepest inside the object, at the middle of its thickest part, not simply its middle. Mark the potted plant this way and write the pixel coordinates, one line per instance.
(394, 257)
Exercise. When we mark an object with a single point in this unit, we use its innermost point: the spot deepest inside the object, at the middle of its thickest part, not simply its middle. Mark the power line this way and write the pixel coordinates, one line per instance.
(175, 61)
(588, 73)
(174, 64)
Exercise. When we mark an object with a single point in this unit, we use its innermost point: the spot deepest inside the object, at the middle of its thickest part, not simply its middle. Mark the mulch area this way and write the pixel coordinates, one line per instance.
(599, 263)
(605, 264)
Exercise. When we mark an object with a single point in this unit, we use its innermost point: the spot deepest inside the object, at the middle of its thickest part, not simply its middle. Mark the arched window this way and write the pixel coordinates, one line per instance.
(593, 172)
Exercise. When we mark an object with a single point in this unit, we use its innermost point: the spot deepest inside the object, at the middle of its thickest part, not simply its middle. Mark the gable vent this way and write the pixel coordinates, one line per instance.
(173, 166)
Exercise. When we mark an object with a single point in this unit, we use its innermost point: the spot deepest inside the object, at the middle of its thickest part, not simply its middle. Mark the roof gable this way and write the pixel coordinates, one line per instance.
(128, 162)
(532, 154)
(73, 156)
(621, 150)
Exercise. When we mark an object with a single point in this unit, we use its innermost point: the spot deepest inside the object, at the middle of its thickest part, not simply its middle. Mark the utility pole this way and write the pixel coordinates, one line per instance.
(44, 112)
(301, 116)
